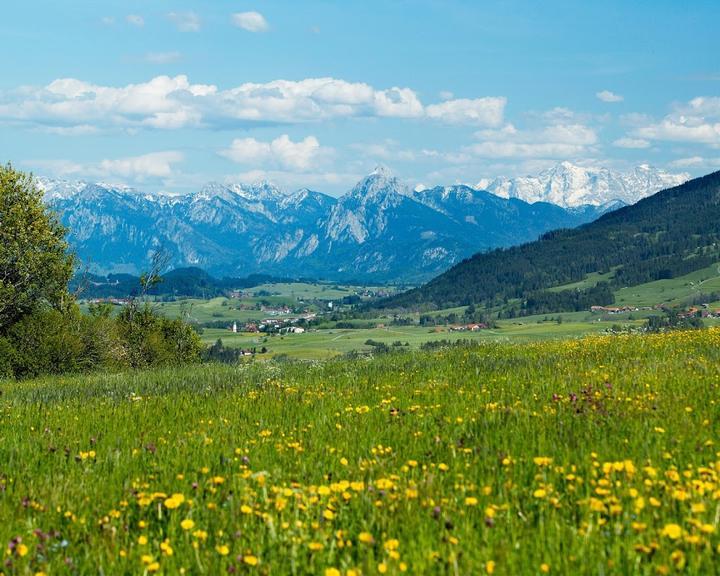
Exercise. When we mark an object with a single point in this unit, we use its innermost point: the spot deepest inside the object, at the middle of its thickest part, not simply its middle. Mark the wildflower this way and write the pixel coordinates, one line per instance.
(142, 540)
(187, 524)
(392, 544)
(539, 493)
(382, 568)
(366, 538)
(471, 501)
(166, 548)
(328, 514)
(250, 560)
(315, 546)
(174, 501)
(672, 531)
(222, 549)
(245, 509)
(544, 568)
(332, 572)
(490, 567)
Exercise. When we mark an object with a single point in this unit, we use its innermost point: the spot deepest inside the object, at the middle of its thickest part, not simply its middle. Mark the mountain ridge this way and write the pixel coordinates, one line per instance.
(668, 234)
(380, 229)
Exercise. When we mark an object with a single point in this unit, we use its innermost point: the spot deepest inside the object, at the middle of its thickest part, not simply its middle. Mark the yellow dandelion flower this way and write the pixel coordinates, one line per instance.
(250, 560)
(187, 524)
(672, 531)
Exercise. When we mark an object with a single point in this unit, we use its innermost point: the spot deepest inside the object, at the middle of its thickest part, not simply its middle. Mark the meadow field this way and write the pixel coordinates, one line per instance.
(582, 456)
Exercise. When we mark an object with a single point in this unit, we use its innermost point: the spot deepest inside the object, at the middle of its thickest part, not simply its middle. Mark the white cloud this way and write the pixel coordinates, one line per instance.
(682, 129)
(446, 95)
(290, 180)
(281, 152)
(133, 168)
(155, 164)
(135, 20)
(607, 96)
(696, 121)
(250, 21)
(697, 162)
(174, 102)
(631, 143)
(185, 21)
(480, 111)
(554, 141)
(162, 57)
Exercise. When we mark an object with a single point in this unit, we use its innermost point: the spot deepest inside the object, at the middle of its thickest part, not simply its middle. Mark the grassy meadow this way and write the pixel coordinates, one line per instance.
(582, 456)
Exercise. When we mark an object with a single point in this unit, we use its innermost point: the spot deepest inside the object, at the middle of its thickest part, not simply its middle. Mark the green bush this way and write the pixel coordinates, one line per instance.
(153, 340)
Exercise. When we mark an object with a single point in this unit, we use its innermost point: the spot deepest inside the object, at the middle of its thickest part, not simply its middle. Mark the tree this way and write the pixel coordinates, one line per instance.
(35, 265)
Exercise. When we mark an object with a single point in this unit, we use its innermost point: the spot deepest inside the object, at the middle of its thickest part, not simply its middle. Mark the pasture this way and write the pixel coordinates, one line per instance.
(583, 456)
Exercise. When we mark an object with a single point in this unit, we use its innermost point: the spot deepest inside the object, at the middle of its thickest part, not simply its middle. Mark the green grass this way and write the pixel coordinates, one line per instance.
(592, 456)
(328, 343)
(674, 291)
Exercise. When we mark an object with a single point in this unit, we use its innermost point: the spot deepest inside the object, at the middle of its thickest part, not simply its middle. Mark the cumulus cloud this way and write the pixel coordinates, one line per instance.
(162, 57)
(185, 21)
(697, 162)
(483, 111)
(554, 141)
(134, 168)
(608, 96)
(696, 121)
(250, 21)
(281, 152)
(135, 20)
(631, 143)
(155, 164)
(174, 102)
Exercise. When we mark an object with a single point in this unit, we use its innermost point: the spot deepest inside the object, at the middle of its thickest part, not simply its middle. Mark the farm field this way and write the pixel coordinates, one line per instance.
(328, 343)
(583, 456)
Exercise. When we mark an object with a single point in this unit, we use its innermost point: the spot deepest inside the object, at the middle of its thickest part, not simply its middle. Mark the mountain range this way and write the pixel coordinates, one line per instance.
(667, 235)
(571, 186)
(378, 231)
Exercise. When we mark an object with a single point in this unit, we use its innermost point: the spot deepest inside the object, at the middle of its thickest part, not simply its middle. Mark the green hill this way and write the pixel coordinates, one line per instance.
(670, 234)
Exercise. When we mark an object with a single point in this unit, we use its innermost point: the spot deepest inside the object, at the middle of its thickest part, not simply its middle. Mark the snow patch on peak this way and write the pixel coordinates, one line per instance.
(569, 185)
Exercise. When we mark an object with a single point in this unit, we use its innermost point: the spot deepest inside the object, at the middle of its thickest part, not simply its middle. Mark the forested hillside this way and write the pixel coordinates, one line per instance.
(669, 234)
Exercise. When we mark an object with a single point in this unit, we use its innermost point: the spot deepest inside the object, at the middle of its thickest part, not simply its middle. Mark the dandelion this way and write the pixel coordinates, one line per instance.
(366, 538)
(471, 501)
(250, 560)
(187, 524)
(490, 567)
(222, 549)
(672, 531)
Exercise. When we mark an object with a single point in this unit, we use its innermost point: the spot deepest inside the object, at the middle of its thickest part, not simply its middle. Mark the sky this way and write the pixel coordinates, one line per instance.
(167, 95)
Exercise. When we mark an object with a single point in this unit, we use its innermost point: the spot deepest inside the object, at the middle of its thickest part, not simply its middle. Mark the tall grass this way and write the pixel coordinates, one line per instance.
(592, 456)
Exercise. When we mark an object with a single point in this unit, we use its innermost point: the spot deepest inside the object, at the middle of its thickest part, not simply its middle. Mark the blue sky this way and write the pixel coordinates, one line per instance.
(170, 94)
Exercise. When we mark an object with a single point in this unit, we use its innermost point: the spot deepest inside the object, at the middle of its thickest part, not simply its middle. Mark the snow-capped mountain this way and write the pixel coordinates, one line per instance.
(379, 230)
(569, 185)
